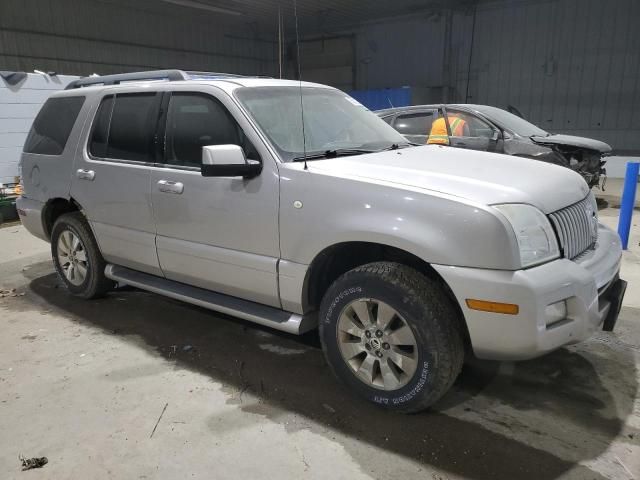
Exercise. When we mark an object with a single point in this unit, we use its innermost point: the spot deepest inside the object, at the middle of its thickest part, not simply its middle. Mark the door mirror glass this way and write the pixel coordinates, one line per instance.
(228, 161)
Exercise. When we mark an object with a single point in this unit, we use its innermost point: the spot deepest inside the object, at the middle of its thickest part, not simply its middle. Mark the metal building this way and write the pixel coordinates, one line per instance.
(567, 65)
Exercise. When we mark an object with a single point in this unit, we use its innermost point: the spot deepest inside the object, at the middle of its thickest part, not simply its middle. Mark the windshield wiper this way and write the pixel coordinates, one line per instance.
(396, 146)
(338, 152)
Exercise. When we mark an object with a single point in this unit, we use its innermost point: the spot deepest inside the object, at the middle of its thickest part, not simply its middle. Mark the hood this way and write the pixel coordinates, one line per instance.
(486, 178)
(570, 140)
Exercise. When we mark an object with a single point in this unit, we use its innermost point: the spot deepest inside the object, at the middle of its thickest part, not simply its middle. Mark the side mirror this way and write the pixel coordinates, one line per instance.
(228, 161)
(497, 135)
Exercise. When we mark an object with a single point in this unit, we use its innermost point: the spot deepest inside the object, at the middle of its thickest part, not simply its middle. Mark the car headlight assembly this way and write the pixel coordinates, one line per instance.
(536, 239)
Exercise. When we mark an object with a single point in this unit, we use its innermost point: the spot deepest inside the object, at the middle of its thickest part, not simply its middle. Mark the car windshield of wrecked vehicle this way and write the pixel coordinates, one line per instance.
(511, 122)
(332, 121)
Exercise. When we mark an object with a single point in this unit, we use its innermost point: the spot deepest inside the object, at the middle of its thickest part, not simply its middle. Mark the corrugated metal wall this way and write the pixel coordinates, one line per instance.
(328, 60)
(568, 65)
(407, 52)
(85, 36)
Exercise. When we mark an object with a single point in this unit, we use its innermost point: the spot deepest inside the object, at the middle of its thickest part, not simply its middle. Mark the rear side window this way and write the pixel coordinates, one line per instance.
(415, 123)
(98, 144)
(52, 126)
(123, 128)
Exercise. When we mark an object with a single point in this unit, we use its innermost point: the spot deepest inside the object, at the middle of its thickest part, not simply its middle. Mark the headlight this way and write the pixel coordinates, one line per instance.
(535, 236)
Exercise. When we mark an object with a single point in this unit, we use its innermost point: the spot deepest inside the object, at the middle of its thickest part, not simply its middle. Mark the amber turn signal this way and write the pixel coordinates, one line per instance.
(493, 307)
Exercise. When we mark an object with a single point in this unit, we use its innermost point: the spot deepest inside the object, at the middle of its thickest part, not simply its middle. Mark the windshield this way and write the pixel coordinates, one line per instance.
(511, 122)
(332, 120)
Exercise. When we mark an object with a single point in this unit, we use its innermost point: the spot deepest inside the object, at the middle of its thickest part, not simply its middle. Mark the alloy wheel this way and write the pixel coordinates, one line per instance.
(72, 257)
(377, 344)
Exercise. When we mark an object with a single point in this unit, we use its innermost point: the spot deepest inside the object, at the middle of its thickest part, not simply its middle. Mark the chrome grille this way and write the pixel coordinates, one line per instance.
(576, 227)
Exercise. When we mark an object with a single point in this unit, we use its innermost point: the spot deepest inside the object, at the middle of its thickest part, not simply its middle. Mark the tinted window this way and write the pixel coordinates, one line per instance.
(100, 134)
(510, 121)
(196, 120)
(131, 130)
(414, 123)
(52, 126)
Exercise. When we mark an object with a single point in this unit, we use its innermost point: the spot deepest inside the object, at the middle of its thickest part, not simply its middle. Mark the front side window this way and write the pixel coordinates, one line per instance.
(124, 127)
(511, 122)
(332, 120)
(52, 126)
(471, 126)
(197, 120)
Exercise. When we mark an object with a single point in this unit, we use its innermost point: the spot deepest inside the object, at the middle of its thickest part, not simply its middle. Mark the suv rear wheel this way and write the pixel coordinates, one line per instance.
(76, 257)
(392, 335)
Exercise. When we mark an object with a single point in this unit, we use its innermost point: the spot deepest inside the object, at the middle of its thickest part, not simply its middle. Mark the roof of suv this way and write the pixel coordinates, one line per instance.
(145, 80)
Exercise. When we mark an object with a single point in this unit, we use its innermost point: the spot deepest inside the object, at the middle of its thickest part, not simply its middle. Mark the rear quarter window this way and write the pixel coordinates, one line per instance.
(52, 126)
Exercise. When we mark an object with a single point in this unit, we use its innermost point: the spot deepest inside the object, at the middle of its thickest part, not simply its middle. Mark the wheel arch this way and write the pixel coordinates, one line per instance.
(54, 208)
(338, 259)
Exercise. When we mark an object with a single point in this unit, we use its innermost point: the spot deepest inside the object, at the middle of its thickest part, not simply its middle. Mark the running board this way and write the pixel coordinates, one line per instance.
(254, 312)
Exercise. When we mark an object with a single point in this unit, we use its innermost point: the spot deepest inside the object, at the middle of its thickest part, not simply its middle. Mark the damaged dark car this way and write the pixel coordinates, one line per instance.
(482, 127)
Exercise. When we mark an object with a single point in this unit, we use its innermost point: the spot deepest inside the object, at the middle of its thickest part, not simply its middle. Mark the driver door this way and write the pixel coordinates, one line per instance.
(218, 233)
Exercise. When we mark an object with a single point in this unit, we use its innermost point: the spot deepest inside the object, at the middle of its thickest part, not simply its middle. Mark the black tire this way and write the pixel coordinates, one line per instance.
(428, 311)
(95, 284)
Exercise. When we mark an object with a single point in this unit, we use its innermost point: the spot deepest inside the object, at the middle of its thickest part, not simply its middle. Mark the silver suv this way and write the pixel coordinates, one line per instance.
(207, 188)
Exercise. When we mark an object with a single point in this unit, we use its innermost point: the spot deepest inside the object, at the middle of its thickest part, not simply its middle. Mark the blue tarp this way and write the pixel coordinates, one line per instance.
(378, 99)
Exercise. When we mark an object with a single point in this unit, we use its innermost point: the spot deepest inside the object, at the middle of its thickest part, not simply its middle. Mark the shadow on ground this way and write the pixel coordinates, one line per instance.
(287, 374)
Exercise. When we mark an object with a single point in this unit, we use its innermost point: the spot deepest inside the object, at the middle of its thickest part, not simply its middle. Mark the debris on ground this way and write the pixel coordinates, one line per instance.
(35, 462)
(159, 418)
(11, 292)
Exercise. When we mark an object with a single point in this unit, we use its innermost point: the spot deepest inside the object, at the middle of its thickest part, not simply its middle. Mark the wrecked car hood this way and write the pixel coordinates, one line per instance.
(570, 140)
(482, 177)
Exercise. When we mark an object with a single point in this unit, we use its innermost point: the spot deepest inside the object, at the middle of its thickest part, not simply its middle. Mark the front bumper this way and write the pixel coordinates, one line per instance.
(590, 286)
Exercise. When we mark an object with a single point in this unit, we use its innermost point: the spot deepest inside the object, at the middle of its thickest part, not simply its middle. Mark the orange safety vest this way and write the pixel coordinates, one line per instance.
(439, 133)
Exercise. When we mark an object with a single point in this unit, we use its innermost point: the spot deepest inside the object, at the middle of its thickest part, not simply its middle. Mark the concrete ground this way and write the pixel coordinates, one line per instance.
(139, 386)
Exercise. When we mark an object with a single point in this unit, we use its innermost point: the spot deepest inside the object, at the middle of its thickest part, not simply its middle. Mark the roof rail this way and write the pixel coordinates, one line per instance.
(206, 75)
(170, 75)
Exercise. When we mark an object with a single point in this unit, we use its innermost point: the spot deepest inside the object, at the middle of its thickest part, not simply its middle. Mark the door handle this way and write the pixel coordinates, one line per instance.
(86, 174)
(167, 186)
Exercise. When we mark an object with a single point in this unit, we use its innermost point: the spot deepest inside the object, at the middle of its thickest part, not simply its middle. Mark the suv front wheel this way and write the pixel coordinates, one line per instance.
(76, 257)
(392, 335)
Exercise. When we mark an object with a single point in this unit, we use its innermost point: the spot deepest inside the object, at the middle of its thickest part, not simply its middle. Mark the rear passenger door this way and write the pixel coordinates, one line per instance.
(415, 126)
(218, 233)
(111, 178)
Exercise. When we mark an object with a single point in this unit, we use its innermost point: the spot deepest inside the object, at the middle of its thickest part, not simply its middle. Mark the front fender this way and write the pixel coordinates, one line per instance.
(319, 210)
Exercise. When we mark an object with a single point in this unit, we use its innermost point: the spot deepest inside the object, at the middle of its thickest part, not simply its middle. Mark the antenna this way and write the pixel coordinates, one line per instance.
(304, 140)
(280, 42)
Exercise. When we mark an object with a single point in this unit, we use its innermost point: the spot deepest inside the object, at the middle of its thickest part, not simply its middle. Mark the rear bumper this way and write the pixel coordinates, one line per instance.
(30, 212)
(590, 288)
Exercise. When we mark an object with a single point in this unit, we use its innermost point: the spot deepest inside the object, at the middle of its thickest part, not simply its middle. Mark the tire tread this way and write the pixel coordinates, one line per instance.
(446, 324)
